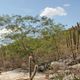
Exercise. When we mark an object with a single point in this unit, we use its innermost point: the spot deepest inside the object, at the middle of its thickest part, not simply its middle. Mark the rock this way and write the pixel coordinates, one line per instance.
(52, 76)
(43, 66)
(69, 61)
(58, 66)
(75, 69)
(67, 72)
(61, 72)
(69, 77)
(77, 66)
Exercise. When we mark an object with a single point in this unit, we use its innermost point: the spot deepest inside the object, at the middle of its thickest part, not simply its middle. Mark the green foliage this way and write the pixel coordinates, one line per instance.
(40, 37)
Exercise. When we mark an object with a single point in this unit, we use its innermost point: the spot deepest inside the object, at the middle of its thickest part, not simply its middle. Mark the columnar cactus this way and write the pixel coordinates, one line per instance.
(31, 75)
(30, 72)
(72, 39)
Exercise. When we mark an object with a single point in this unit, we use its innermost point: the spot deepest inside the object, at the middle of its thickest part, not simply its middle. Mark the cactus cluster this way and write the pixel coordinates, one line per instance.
(72, 39)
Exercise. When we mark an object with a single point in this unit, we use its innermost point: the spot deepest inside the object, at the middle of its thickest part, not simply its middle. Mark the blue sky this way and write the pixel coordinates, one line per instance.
(66, 12)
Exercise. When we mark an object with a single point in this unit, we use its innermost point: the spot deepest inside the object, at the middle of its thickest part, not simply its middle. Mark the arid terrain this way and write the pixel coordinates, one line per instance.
(67, 69)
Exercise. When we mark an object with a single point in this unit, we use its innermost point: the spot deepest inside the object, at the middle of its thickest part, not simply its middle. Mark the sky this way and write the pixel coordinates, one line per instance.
(66, 12)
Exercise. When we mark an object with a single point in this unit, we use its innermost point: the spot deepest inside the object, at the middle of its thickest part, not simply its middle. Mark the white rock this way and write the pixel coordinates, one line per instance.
(58, 65)
(69, 77)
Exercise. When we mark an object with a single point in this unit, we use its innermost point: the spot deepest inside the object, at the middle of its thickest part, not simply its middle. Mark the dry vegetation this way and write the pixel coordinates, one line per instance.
(41, 38)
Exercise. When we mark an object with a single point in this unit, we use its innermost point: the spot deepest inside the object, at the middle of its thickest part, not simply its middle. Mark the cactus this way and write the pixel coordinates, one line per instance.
(30, 72)
(31, 75)
(74, 36)
(34, 72)
(78, 31)
(70, 39)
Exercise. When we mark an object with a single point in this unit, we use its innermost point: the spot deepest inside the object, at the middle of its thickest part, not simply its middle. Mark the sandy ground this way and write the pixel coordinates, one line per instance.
(17, 74)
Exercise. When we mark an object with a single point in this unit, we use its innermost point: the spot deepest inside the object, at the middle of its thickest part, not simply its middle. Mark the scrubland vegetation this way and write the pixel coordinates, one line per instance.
(42, 38)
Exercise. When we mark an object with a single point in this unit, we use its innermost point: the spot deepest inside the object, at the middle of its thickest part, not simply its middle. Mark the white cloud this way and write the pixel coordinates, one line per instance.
(50, 12)
(66, 5)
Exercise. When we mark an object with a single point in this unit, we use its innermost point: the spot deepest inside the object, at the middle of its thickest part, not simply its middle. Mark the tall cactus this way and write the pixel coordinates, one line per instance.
(30, 72)
(78, 31)
(31, 75)
(67, 39)
(74, 40)
(74, 36)
(34, 72)
(70, 39)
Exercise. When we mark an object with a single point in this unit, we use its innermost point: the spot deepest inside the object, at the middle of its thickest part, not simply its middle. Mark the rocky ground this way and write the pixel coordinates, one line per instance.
(19, 74)
(58, 70)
